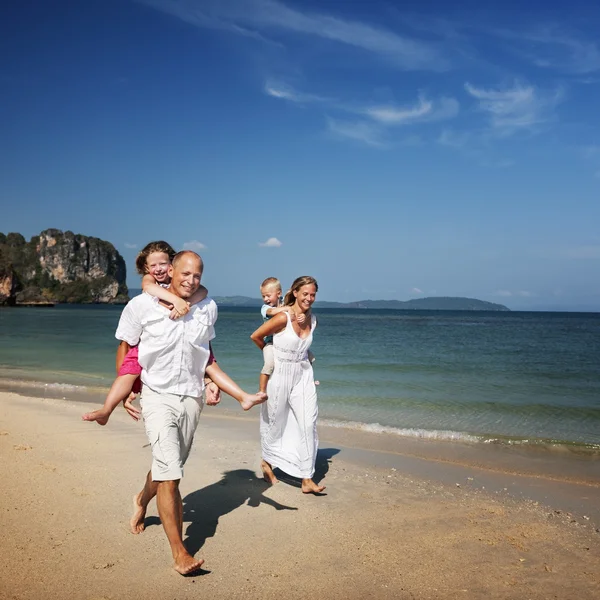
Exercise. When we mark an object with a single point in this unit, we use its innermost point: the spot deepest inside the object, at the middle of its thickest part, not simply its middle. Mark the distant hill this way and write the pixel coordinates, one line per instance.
(433, 303)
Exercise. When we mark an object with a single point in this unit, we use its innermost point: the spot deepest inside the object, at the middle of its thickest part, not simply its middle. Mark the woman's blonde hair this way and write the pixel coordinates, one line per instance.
(298, 283)
(147, 250)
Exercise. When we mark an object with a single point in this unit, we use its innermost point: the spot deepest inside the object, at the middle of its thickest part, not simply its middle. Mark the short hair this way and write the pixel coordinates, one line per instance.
(142, 258)
(183, 253)
(271, 282)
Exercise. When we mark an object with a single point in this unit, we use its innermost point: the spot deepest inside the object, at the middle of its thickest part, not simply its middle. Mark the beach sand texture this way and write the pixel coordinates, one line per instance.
(378, 533)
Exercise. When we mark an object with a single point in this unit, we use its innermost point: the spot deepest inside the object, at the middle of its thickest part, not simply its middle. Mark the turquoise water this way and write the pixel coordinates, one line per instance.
(527, 378)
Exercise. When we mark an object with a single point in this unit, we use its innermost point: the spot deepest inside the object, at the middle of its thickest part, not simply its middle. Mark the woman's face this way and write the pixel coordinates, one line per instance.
(305, 296)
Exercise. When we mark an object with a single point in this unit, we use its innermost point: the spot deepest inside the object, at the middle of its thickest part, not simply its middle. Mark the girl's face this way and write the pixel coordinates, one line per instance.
(305, 296)
(157, 265)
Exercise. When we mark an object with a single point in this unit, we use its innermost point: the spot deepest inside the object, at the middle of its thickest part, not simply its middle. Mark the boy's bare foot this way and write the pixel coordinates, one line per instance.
(268, 474)
(136, 524)
(100, 416)
(310, 487)
(250, 400)
(187, 564)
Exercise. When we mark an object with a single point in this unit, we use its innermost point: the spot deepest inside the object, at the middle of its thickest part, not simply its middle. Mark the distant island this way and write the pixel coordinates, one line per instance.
(56, 267)
(431, 303)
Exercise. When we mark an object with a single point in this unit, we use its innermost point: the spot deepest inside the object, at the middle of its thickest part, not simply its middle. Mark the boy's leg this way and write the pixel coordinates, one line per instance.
(227, 385)
(119, 391)
(268, 367)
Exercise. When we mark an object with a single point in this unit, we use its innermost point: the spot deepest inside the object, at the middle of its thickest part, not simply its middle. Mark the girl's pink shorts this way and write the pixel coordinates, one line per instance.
(131, 366)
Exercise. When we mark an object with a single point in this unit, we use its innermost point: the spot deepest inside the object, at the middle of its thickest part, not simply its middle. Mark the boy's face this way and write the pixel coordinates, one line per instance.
(270, 295)
(157, 264)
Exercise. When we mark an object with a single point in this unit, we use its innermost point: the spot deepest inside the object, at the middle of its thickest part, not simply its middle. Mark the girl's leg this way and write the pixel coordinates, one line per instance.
(119, 391)
(227, 385)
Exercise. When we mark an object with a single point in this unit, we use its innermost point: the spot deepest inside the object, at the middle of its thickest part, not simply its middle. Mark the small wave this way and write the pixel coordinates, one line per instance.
(67, 387)
(428, 434)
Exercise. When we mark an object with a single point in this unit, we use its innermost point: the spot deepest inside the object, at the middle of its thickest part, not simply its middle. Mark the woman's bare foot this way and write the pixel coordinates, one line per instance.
(136, 524)
(268, 474)
(187, 564)
(250, 400)
(100, 416)
(310, 487)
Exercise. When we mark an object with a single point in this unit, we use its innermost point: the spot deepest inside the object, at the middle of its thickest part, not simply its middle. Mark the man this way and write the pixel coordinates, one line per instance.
(174, 355)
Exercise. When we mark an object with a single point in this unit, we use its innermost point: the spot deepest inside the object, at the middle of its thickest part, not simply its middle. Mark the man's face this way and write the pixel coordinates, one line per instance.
(185, 276)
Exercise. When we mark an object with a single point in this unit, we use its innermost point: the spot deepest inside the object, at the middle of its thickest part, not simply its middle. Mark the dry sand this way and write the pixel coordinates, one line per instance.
(380, 532)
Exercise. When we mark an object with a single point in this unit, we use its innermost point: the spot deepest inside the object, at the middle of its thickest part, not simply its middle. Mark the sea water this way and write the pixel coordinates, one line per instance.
(489, 377)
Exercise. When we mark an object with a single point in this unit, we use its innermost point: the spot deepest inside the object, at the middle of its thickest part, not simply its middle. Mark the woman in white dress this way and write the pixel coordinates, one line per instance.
(288, 424)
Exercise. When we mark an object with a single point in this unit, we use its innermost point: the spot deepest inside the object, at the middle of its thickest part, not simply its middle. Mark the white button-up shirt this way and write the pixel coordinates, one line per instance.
(173, 354)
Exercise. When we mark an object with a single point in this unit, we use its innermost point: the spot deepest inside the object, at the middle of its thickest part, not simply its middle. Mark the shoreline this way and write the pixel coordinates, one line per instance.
(390, 525)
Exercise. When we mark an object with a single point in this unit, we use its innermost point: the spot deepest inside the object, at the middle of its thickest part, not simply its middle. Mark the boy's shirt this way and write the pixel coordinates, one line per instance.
(263, 311)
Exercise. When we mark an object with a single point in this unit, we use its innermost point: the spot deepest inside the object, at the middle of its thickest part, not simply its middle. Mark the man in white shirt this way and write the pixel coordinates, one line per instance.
(173, 355)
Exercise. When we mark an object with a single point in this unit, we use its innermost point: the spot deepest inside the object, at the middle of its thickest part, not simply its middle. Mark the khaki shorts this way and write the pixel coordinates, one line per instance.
(171, 421)
(269, 360)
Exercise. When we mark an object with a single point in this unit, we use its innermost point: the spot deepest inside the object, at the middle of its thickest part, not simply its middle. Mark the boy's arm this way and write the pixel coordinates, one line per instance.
(180, 306)
(275, 310)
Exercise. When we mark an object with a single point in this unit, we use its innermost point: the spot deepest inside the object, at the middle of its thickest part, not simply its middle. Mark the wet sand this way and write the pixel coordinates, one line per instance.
(401, 518)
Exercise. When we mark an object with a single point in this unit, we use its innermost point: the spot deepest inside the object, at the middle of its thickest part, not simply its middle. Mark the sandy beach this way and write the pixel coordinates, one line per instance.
(401, 519)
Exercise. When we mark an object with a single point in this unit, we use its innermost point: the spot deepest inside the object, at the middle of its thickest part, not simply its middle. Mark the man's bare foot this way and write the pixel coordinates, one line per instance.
(136, 524)
(310, 487)
(100, 416)
(187, 564)
(250, 400)
(268, 474)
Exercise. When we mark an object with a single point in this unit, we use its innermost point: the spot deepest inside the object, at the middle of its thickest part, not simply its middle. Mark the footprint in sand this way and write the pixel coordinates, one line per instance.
(22, 447)
(3, 432)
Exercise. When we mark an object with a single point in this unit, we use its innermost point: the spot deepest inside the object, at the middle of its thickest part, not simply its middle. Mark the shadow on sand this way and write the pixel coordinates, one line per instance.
(323, 461)
(204, 507)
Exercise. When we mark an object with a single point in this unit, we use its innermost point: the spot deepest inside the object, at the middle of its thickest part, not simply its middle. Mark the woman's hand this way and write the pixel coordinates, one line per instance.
(133, 412)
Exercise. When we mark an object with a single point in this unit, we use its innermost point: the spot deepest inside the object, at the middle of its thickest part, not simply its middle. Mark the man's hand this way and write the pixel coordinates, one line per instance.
(133, 412)
(213, 393)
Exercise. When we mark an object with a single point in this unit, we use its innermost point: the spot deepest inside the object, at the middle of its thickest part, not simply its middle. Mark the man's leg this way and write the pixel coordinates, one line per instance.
(140, 504)
(170, 510)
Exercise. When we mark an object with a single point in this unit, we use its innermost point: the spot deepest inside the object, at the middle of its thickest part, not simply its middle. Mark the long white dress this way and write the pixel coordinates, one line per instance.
(288, 424)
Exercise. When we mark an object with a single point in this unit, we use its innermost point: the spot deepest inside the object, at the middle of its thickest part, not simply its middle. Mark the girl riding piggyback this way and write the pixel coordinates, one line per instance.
(153, 264)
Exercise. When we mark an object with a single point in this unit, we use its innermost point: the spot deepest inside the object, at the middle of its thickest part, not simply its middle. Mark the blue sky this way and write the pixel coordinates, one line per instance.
(392, 150)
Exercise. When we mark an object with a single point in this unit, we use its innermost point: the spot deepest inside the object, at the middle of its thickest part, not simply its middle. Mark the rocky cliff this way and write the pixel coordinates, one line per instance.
(60, 267)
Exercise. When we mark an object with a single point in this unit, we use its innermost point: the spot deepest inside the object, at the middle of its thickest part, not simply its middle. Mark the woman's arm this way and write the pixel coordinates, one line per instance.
(270, 327)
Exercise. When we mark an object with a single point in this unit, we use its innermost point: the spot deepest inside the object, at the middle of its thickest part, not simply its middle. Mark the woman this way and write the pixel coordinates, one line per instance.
(288, 425)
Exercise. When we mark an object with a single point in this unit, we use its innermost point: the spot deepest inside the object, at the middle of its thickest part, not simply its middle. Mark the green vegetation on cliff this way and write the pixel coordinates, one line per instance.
(60, 267)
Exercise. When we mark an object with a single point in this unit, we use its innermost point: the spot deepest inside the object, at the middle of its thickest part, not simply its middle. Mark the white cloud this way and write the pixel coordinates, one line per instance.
(194, 245)
(272, 242)
(416, 290)
(360, 131)
(269, 15)
(130, 246)
(551, 47)
(509, 294)
(423, 110)
(513, 109)
(286, 92)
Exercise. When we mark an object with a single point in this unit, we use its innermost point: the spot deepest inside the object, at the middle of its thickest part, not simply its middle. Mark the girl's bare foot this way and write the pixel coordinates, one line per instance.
(136, 524)
(268, 474)
(310, 487)
(187, 564)
(100, 416)
(250, 400)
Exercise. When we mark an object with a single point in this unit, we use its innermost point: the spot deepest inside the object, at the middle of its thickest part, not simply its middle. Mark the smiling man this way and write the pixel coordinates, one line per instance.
(173, 355)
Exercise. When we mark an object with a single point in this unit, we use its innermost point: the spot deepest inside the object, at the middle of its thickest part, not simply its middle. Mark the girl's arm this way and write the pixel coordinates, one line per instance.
(150, 286)
(198, 295)
(272, 326)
